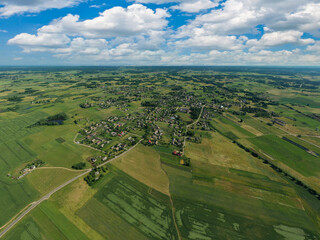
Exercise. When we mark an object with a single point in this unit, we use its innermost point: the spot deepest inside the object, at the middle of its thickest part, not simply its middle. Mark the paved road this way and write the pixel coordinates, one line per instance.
(47, 196)
(36, 203)
(116, 157)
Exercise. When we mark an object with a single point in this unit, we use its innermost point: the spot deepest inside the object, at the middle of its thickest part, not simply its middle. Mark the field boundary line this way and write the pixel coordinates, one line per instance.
(172, 207)
(268, 156)
(309, 142)
(174, 218)
(295, 135)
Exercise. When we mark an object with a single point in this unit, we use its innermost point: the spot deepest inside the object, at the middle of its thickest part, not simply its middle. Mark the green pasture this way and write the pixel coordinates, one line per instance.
(209, 206)
(262, 126)
(45, 222)
(301, 100)
(107, 223)
(289, 154)
(143, 208)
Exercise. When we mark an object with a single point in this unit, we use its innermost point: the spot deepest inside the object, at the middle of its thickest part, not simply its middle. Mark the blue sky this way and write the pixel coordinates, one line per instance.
(160, 32)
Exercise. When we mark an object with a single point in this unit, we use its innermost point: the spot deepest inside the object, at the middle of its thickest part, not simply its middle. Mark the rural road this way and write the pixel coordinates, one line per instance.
(36, 203)
(195, 122)
(48, 195)
(116, 157)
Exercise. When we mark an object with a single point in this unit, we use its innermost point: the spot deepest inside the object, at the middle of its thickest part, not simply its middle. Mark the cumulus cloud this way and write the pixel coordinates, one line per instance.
(226, 28)
(40, 42)
(237, 32)
(11, 7)
(157, 1)
(191, 6)
(280, 38)
(194, 6)
(314, 48)
(242, 16)
(306, 19)
(81, 46)
(209, 42)
(118, 32)
(114, 22)
(262, 57)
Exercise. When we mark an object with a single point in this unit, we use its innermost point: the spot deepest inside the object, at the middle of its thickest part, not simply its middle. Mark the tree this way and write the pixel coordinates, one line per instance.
(78, 166)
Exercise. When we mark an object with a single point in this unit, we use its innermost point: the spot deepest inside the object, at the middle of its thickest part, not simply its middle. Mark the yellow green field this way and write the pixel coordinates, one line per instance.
(143, 164)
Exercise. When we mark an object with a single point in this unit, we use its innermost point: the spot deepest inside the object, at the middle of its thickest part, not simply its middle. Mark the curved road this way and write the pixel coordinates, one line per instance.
(195, 122)
(48, 195)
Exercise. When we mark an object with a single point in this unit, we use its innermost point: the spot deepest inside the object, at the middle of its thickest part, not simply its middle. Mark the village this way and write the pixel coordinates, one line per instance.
(159, 119)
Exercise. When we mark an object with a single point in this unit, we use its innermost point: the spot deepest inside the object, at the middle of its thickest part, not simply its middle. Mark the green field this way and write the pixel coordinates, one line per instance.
(214, 203)
(293, 156)
(236, 177)
(301, 101)
(139, 206)
(110, 224)
(46, 179)
(14, 196)
(13, 152)
(144, 164)
(46, 222)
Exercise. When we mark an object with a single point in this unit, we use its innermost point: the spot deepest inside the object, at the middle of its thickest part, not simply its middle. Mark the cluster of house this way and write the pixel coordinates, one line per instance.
(156, 136)
(184, 110)
(177, 153)
(94, 133)
(93, 160)
(203, 125)
(106, 103)
(194, 139)
(119, 147)
(207, 115)
(30, 167)
(26, 171)
(177, 142)
(100, 134)
(86, 105)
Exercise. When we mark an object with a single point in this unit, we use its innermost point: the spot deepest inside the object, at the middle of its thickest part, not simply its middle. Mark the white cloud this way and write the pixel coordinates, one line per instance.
(11, 7)
(39, 42)
(279, 38)
(114, 22)
(314, 48)
(80, 46)
(126, 53)
(98, 6)
(139, 35)
(263, 57)
(138, 27)
(157, 1)
(226, 28)
(208, 42)
(191, 6)
(306, 18)
(242, 16)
